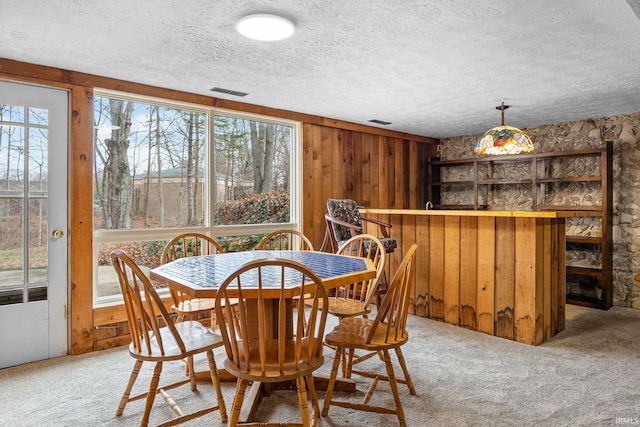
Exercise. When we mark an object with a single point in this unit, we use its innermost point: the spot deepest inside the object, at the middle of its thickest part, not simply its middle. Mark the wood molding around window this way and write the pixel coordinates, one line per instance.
(378, 166)
(65, 78)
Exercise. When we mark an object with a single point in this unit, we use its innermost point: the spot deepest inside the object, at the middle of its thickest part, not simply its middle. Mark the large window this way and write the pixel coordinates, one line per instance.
(161, 169)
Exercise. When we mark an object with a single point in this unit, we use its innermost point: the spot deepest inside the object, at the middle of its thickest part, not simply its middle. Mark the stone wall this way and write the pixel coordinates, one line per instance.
(624, 132)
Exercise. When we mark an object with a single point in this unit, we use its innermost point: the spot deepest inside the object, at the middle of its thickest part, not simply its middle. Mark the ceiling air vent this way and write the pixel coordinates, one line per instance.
(379, 122)
(228, 91)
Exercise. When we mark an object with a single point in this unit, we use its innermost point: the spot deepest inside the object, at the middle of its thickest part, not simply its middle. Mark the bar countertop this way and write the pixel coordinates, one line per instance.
(483, 213)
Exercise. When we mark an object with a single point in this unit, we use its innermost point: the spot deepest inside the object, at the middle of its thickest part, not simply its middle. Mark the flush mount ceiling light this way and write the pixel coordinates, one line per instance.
(265, 27)
(504, 139)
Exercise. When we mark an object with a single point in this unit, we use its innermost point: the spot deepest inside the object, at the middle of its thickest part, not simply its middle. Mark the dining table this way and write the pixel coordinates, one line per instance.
(201, 276)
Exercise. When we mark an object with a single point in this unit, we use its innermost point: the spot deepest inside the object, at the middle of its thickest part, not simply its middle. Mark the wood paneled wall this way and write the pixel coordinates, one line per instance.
(374, 166)
(500, 275)
(377, 171)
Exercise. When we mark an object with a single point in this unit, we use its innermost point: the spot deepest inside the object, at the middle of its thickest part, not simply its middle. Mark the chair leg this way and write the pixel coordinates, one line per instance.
(332, 382)
(347, 367)
(153, 388)
(191, 373)
(215, 379)
(314, 398)
(394, 387)
(346, 372)
(303, 402)
(405, 371)
(127, 392)
(241, 386)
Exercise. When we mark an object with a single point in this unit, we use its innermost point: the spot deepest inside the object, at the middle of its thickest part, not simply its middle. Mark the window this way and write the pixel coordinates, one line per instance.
(149, 165)
(156, 174)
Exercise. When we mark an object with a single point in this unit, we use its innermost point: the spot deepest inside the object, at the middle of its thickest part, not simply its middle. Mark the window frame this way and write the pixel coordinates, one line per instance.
(139, 235)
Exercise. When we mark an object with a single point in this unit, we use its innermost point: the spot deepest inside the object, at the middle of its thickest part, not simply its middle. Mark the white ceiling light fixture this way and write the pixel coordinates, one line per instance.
(265, 27)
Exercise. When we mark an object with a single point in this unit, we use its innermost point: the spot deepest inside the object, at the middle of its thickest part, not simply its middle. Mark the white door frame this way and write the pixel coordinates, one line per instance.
(39, 330)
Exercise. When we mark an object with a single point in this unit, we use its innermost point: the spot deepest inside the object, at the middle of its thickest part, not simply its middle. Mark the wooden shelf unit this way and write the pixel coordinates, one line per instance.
(538, 182)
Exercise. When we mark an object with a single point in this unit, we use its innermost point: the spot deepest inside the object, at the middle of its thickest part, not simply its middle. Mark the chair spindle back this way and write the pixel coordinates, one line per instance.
(146, 313)
(393, 312)
(364, 246)
(260, 288)
(287, 239)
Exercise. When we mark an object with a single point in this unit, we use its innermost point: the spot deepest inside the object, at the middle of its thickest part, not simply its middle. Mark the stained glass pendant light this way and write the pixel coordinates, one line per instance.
(504, 139)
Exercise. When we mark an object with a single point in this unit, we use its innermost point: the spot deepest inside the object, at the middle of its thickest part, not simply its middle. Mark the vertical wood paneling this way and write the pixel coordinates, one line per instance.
(366, 168)
(328, 172)
(387, 186)
(399, 188)
(421, 301)
(313, 226)
(319, 204)
(396, 231)
(413, 180)
(408, 230)
(358, 167)
(486, 259)
(562, 260)
(505, 277)
(542, 256)
(408, 238)
(377, 171)
(350, 175)
(468, 271)
(81, 214)
(488, 267)
(339, 181)
(436, 267)
(524, 309)
(386, 173)
(555, 278)
(451, 269)
(543, 307)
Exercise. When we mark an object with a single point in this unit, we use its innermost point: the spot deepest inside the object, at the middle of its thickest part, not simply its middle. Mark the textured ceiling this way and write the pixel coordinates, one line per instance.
(429, 67)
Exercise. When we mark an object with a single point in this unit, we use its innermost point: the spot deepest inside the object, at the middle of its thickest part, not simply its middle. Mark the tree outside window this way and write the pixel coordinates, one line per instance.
(153, 177)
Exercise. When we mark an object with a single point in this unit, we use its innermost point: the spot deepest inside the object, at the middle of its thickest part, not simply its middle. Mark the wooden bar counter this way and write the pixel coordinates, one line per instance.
(498, 272)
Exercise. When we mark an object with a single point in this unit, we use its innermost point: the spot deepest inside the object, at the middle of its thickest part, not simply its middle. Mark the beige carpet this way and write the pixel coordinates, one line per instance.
(587, 375)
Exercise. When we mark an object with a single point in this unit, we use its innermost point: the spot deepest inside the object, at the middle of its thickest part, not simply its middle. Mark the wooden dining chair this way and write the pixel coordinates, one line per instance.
(156, 338)
(343, 221)
(354, 299)
(377, 336)
(271, 340)
(286, 239)
(183, 245)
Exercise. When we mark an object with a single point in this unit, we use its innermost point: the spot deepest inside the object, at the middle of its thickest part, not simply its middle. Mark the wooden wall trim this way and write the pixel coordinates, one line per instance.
(81, 221)
(59, 76)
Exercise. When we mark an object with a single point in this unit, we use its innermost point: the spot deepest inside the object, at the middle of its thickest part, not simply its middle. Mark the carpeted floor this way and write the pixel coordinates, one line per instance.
(587, 375)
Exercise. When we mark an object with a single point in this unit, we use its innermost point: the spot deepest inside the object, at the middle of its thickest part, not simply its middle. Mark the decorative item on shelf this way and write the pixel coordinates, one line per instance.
(504, 139)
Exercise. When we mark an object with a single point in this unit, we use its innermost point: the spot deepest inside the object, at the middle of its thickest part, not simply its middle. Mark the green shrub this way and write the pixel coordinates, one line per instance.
(272, 207)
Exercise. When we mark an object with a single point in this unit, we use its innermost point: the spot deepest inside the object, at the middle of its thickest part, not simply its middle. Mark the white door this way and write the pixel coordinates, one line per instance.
(33, 223)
